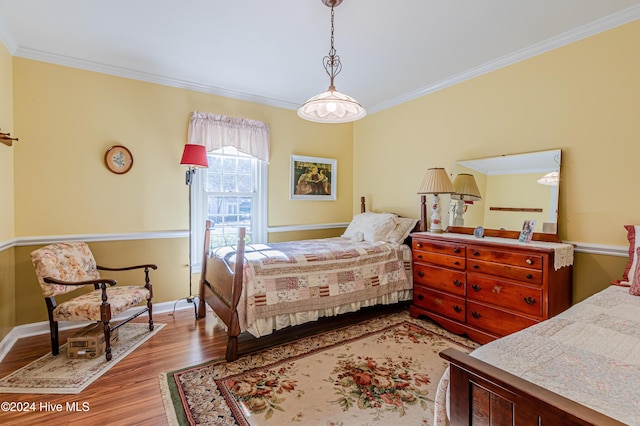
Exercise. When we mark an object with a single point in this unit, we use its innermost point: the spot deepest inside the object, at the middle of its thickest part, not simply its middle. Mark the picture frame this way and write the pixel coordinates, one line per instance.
(313, 178)
(527, 231)
(118, 159)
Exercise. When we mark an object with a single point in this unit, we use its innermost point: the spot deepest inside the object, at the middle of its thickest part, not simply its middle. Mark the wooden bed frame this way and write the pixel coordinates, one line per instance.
(220, 287)
(481, 394)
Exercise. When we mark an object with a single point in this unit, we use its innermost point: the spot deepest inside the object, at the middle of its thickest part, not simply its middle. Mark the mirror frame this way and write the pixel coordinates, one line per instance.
(515, 234)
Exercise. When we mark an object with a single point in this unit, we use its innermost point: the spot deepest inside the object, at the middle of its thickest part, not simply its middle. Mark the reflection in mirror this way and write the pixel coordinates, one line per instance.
(512, 189)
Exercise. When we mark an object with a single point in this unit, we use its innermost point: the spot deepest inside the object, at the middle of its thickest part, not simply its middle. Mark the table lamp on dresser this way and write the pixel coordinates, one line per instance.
(436, 181)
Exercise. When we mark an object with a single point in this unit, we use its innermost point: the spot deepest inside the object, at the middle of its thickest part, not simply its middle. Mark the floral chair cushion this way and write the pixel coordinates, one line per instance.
(87, 306)
(71, 261)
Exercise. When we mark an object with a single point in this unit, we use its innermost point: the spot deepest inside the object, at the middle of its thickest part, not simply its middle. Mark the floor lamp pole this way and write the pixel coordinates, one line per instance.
(191, 298)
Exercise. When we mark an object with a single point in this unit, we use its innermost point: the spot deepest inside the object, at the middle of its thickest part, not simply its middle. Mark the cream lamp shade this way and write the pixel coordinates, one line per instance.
(465, 191)
(465, 188)
(436, 181)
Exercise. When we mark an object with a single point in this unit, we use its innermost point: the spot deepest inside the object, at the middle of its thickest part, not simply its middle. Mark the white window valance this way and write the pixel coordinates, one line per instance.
(216, 131)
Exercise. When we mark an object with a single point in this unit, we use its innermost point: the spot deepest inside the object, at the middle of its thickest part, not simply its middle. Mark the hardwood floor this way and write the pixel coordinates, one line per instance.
(129, 393)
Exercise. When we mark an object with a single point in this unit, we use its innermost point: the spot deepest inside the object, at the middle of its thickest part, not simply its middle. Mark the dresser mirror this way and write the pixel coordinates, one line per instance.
(513, 188)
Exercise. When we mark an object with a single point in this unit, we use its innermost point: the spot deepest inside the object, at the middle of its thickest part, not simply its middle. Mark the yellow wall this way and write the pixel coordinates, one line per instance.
(6, 152)
(7, 272)
(67, 118)
(581, 98)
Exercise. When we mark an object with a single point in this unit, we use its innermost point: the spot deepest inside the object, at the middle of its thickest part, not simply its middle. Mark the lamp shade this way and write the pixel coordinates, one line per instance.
(465, 188)
(436, 181)
(194, 155)
(331, 107)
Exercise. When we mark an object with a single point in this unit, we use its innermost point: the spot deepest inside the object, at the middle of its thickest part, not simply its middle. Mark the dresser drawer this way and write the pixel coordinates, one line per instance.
(440, 278)
(441, 247)
(439, 303)
(495, 320)
(524, 260)
(513, 296)
(440, 259)
(531, 276)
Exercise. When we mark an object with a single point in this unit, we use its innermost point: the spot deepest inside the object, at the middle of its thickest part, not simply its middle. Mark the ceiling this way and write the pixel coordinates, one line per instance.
(271, 52)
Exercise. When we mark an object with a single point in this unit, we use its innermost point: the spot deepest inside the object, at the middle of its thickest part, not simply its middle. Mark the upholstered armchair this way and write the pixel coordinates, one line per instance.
(65, 267)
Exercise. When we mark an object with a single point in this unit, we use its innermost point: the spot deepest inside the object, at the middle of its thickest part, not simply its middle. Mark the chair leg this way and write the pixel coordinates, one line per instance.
(107, 339)
(150, 307)
(53, 325)
(53, 328)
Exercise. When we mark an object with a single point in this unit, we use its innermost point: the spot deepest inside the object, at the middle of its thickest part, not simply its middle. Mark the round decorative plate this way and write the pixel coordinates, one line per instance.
(118, 159)
(478, 232)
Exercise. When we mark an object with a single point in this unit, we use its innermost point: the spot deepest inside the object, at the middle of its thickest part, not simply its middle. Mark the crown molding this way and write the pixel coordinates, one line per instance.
(195, 86)
(608, 22)
(623, 17)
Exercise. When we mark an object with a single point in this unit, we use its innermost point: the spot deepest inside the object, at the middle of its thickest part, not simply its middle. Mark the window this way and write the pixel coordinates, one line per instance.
(231, 193)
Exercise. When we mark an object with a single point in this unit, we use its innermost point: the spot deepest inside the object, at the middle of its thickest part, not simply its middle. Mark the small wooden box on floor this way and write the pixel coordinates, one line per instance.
(89, 342)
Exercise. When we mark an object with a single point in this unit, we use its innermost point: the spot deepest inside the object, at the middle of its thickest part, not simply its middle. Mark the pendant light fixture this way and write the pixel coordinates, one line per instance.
(332, 106)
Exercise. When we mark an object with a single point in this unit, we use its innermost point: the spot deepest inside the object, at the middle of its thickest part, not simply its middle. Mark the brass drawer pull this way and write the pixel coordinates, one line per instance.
(476, 315)
(420, 274)
(457, 308)
(529, 262)
(418, 244)
(530, 300)
(476, 287)
(457, 283)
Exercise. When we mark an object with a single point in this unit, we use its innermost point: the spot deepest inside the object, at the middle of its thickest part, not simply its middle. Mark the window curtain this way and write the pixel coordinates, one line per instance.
(216, 131)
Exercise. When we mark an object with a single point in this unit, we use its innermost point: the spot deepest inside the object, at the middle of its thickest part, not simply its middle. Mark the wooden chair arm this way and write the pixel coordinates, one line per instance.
(99, 281)
(127, 268)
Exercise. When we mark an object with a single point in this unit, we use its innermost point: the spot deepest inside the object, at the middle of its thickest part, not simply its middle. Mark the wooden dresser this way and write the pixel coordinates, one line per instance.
(487, 288)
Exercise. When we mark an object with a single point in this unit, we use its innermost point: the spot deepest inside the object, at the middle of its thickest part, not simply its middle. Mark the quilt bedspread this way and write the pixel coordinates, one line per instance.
(589, 353)
(292, 277)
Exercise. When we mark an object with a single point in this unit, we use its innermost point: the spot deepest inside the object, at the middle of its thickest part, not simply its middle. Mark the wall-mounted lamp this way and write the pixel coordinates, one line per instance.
(436, 181)
(465, 191)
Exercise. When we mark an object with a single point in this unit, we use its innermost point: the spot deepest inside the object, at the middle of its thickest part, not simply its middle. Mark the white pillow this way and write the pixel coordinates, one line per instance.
(402, 230)
(372, 226)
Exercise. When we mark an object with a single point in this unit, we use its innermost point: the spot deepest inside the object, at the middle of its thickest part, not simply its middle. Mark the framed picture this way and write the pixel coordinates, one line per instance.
(313, 178)
(527, 231)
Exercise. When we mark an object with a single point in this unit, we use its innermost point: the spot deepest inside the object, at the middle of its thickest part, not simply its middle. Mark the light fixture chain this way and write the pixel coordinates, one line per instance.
(332, 64)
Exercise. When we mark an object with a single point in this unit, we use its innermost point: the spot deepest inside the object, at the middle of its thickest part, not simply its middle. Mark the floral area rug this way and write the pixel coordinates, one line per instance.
(61, 375)
(381, 371)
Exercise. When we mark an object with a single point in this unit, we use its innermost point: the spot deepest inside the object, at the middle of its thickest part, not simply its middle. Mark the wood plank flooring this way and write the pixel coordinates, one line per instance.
(129, 393)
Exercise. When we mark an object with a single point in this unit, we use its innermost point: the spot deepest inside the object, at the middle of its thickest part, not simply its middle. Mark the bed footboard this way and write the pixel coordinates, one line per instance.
(221, 287)
(481, 394)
